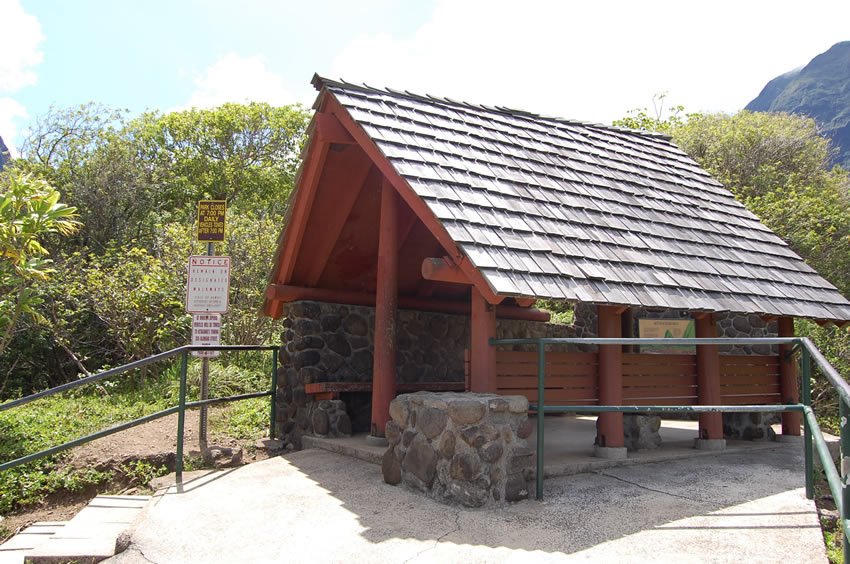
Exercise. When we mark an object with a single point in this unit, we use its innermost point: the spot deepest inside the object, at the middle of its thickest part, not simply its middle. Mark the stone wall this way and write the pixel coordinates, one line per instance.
(325, 342)
(467, 449)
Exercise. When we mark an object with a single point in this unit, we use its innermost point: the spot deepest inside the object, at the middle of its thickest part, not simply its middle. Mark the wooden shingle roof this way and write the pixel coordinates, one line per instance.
(550, 208)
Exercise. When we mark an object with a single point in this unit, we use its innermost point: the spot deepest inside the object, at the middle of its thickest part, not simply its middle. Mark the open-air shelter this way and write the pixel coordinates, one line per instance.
(409, 202)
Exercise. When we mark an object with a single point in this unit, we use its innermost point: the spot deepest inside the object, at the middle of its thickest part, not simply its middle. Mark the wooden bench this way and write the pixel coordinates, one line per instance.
(331, 390)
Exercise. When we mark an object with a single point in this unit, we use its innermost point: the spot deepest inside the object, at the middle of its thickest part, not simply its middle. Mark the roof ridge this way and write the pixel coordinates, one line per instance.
(320, 82)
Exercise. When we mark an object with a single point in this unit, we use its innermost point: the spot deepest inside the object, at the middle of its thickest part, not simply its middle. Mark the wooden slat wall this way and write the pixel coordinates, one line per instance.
(571, 378)
(749, 379)
(648, 379)
(659, 379)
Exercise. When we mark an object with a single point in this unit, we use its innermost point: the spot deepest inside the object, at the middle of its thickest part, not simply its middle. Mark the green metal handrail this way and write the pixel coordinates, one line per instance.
(180, 408)
(839, 482)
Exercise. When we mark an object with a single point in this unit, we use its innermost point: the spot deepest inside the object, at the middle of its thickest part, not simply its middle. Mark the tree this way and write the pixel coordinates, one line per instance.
(644, 120)
(244, 153)
(117, 293)
(30, 211)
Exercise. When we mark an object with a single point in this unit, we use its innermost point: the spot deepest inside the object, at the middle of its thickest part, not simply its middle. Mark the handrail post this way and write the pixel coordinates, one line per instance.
(273, 407)
(805, 376)
(844, 413)
(181, 419)
(541, 373)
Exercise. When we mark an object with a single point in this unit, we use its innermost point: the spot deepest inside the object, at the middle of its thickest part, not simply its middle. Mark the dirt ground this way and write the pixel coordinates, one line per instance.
(155, 441)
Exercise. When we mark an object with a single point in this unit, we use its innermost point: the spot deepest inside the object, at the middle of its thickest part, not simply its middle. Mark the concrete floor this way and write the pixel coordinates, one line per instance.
(317, 506)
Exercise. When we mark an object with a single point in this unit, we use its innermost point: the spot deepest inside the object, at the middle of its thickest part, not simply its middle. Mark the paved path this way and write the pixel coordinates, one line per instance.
(316, 506)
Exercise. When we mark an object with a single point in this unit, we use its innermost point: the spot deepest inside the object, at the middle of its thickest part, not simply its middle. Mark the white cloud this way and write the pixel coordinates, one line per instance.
(20, 37)
(239, 79)
(10, 111)
(596, 60)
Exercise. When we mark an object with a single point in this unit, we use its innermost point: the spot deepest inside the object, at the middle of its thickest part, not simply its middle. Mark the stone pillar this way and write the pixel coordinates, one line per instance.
(482, 355)
(708, 385)
(386, 304)
(467, 449)
(789, 380)
(610, 441)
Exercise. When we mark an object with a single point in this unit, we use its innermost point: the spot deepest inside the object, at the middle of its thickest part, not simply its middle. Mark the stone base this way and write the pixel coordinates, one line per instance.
(749, 426)
(611, 453)
(710, 444)
(792, 439)
(373, 440)
(640, 432)
(461, 448)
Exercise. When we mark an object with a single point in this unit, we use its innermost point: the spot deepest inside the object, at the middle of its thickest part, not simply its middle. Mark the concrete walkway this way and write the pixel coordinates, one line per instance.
(318, 506)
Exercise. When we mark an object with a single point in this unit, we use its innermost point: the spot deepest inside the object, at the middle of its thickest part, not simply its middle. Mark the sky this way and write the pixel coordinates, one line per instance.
(591, 61)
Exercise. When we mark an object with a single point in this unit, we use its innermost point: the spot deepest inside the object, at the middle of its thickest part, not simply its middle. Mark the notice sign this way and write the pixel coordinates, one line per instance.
(211, 220)
(666, 329)
(208, 284)
(206, 332)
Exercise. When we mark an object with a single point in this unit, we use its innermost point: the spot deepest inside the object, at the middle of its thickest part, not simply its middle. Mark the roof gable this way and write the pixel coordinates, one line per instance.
(544, 207)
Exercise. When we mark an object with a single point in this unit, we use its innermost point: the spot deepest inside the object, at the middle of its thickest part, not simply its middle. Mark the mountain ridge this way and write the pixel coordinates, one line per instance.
(820, 90)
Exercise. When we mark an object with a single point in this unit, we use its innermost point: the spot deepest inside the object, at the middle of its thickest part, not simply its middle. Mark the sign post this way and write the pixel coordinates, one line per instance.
(211, 215)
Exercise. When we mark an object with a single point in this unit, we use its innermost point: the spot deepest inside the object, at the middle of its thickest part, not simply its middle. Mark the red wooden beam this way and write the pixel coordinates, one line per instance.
(419, 207)
(788, 378)
(610, 425)
(439, 270)
(281, 293)
(386, 306)
(482, 354)
(525, 302)
(708, 378)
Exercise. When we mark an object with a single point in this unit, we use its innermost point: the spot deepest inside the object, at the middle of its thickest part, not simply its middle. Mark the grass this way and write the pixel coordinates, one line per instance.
(831, 530)
(245, 420)
(51, 421)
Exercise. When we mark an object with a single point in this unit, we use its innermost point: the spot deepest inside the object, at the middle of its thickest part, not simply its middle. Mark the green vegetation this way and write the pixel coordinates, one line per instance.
(57, 419)
(245, 420)
(30, 211)
(561, 312)
(117, 287)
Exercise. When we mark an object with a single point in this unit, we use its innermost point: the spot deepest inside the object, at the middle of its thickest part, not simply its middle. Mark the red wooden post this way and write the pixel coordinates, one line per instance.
(386, 300)
(788, 379)
(482, 355)
(708, 381)
(610, 425)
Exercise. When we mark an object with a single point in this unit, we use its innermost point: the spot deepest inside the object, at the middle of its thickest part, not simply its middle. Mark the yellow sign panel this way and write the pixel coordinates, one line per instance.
(666, 329)
(211, 220)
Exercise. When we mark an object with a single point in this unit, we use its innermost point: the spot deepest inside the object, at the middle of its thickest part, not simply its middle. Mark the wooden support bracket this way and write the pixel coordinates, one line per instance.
(439, 270)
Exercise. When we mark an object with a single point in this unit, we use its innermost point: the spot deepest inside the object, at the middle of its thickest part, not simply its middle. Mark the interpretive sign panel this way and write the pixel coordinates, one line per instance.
(211, 220)
(208, 284)
(206, 332)
(666, 329)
